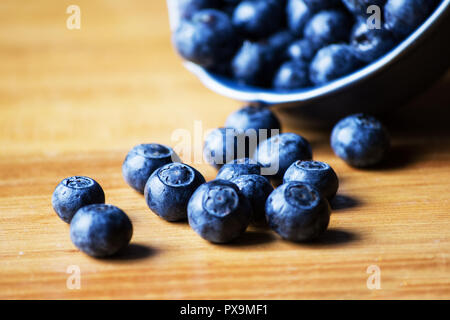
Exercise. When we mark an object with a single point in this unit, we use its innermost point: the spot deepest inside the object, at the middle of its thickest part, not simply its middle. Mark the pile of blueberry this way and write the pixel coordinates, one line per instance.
(293, 44)
(242, 193)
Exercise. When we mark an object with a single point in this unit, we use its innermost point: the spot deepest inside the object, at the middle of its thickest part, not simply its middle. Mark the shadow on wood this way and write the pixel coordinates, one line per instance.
(134, 251)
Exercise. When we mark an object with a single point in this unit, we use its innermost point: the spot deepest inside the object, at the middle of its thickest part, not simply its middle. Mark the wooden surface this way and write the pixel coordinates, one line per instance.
(74, 102)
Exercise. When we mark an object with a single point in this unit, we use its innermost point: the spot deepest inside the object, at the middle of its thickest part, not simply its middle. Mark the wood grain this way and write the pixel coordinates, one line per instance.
(74, 102)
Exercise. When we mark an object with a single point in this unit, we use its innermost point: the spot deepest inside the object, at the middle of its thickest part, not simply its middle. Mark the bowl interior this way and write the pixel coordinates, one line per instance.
(229, 88)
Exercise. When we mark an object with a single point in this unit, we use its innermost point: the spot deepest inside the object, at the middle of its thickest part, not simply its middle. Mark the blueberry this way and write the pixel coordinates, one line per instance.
(249, 66)
(318, 174)
(292, 75)
(187, 8)
(333, 62)
(301, 50)
(360, 140)
(256, 189)
(169, 189)
(370, 44)
(278, 43)
(219, 212)
(359, 7)
(237, 168)
(258, 118)
(74, 193)
(100, 230)
(256, 19)
(256, 62)
(208, 39)
(223, 145)
(327, 27)
(277, 153)
(298, 14)
(142, 160)
(402, 17)
(297, 212)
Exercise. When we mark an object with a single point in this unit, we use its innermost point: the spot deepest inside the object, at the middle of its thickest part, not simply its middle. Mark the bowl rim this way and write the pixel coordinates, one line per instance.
(229, 88)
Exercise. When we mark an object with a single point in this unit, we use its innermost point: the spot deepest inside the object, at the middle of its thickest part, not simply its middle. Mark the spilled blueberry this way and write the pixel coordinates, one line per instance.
(297, 212)
(360, 140)
(237, 168)
(143, 160)
(257, 121)
(277, 153)
(169, 189)
(316, 173)
(73, 193)
(219, 212)
(256, 189)
(223, 145)
(100, 230)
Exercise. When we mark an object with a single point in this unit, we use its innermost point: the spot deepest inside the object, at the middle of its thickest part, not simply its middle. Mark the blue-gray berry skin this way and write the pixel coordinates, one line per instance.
(402, 17)
(100, 230)
(169, 189)
(297, 212)
(187, 8)
(277, 153)
(370, 44)
(256, 189)
(237, 168)
(257, 123)
(318, 174)
(256, 19)
(74, 193)
(333, 62)
(254, 64)
(208, 39)
(327, 27)
(143, 160)
(292, 75)
(298, 14)
(360, 140)
(254, 118)
(219, 212)
(301, 50)
(317, 5)
(223, 145)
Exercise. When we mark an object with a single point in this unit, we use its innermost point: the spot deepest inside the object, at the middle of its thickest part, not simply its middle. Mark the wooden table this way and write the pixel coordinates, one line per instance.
(73, 102)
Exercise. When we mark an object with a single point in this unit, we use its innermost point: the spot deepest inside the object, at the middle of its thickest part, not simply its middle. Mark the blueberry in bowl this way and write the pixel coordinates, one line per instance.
(169, 189)
(250, 17)
(197, 38)
(73, 193)
(408, 54)
(100, 230)
(142, 160)
(332, 62)
(219, 212)
(297, 212)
